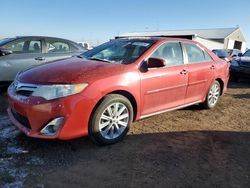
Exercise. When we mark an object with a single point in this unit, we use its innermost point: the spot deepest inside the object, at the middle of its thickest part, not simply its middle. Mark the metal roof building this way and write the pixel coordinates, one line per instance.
(218, 38)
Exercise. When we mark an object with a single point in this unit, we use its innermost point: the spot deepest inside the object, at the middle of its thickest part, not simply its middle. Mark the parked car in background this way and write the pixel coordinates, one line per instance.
(240, 67)
(102, 91)
(85, 45)
(20, 53)
(234, 53)
(223, 54)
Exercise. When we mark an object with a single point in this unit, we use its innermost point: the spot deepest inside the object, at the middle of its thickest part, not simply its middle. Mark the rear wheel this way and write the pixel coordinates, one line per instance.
(111, 120)
(213, 95)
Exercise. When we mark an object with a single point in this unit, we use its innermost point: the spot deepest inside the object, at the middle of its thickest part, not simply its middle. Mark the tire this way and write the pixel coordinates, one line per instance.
(213, 95)
(111, 120)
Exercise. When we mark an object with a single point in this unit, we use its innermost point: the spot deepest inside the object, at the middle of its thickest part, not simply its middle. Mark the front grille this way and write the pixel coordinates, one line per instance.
(21, 119)
(24, 89)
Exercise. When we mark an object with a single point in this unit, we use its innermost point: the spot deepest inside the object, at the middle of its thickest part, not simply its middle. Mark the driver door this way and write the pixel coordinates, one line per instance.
(27, 53)
(165, 87)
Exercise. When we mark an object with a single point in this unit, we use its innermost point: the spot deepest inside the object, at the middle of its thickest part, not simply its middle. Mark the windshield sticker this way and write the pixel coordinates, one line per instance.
(140, 44)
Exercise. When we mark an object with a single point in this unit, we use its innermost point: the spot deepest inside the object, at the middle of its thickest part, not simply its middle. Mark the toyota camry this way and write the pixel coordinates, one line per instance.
(102, 91)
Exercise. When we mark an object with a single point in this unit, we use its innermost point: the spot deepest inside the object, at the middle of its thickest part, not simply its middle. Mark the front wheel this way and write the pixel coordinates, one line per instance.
(213, 95)
(111, 120)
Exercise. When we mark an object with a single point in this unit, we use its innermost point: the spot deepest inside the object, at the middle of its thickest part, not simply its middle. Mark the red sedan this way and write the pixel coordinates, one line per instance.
(101, 92)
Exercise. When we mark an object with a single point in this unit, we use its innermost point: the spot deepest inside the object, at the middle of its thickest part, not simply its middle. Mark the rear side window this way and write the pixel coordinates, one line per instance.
(55, 46)
(196, 54)
(24, 46)
(171, 52)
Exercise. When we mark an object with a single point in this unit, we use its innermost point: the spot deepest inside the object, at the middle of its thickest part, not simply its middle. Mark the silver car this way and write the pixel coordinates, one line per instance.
(20, 53)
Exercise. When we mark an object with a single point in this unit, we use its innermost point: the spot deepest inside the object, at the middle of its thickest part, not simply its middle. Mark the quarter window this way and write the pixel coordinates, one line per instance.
(171, 52)
(196, 54)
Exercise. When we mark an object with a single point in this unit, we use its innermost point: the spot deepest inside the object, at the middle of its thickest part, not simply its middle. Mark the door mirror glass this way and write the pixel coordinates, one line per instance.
(156, 62)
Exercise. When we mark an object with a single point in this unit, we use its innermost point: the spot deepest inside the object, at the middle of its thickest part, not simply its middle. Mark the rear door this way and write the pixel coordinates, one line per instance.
(27, 52)
(165, 87)
(201, 72)
(59, 49)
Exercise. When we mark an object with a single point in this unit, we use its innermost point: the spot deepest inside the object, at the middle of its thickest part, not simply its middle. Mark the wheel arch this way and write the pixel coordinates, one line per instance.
(124, 93)
(131, 99)
(221, 82)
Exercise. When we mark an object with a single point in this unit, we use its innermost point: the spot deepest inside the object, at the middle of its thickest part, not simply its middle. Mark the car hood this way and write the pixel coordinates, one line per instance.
(70, 71)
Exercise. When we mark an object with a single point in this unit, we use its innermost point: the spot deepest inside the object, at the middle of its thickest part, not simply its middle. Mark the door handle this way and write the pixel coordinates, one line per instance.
(212, 67)
(184, 71)
(40, 58)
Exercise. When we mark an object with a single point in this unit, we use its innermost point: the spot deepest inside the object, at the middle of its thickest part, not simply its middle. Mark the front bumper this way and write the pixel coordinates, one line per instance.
(32, 114)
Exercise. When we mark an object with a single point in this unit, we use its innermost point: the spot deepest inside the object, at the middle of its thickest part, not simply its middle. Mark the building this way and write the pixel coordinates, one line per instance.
(220, 38)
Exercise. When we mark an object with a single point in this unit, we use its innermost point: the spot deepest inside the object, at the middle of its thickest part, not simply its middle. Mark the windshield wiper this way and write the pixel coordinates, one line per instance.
(99, 59)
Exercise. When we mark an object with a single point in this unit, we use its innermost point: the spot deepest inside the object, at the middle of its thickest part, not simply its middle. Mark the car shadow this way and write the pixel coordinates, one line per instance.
(242, 96)
(195, 107)
(176, 159)
(3, 103)
(3, 89)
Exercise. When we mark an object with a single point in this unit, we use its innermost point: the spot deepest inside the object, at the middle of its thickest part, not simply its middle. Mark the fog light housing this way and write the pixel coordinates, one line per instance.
(52, 127)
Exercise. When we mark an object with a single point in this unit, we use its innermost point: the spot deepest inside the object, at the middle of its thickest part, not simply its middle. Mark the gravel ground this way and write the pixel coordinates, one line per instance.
(191, 147)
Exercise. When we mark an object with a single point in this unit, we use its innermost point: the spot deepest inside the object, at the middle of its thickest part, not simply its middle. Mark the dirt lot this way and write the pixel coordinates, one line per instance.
(185, 148)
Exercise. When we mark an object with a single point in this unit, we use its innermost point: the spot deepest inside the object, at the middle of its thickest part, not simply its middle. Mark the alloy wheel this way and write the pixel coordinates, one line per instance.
(114, 120)
(214, 94)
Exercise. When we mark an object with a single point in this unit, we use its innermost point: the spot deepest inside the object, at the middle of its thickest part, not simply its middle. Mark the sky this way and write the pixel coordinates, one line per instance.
(97, 21)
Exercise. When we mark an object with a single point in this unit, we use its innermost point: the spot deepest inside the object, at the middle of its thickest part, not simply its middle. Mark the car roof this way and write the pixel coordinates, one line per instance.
(156, 39)
(48, 37)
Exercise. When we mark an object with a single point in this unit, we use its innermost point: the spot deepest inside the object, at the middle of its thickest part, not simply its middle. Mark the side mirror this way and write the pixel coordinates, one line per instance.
(240, 54)
(156, 62)
(5, 52)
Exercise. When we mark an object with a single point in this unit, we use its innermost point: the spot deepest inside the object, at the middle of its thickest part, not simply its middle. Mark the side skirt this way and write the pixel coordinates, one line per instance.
(170, 109)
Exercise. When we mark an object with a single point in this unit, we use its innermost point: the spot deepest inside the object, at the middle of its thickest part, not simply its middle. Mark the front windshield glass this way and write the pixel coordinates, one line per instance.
(120, 51)
(221, 53)
(5, 40)
(230, 52)
(247, 53)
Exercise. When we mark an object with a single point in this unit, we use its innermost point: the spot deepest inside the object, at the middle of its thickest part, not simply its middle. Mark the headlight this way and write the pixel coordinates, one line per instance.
(50, 92)
(235, 64)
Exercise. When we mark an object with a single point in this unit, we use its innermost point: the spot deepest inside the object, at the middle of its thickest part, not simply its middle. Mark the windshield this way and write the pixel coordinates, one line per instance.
(230, 52)
(119, 51)
(221, 53)
(247, 53)
(5, 40)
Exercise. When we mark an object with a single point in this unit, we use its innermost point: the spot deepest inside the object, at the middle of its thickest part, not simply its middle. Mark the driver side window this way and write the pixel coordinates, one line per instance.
(24, 46)
(171, 52)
